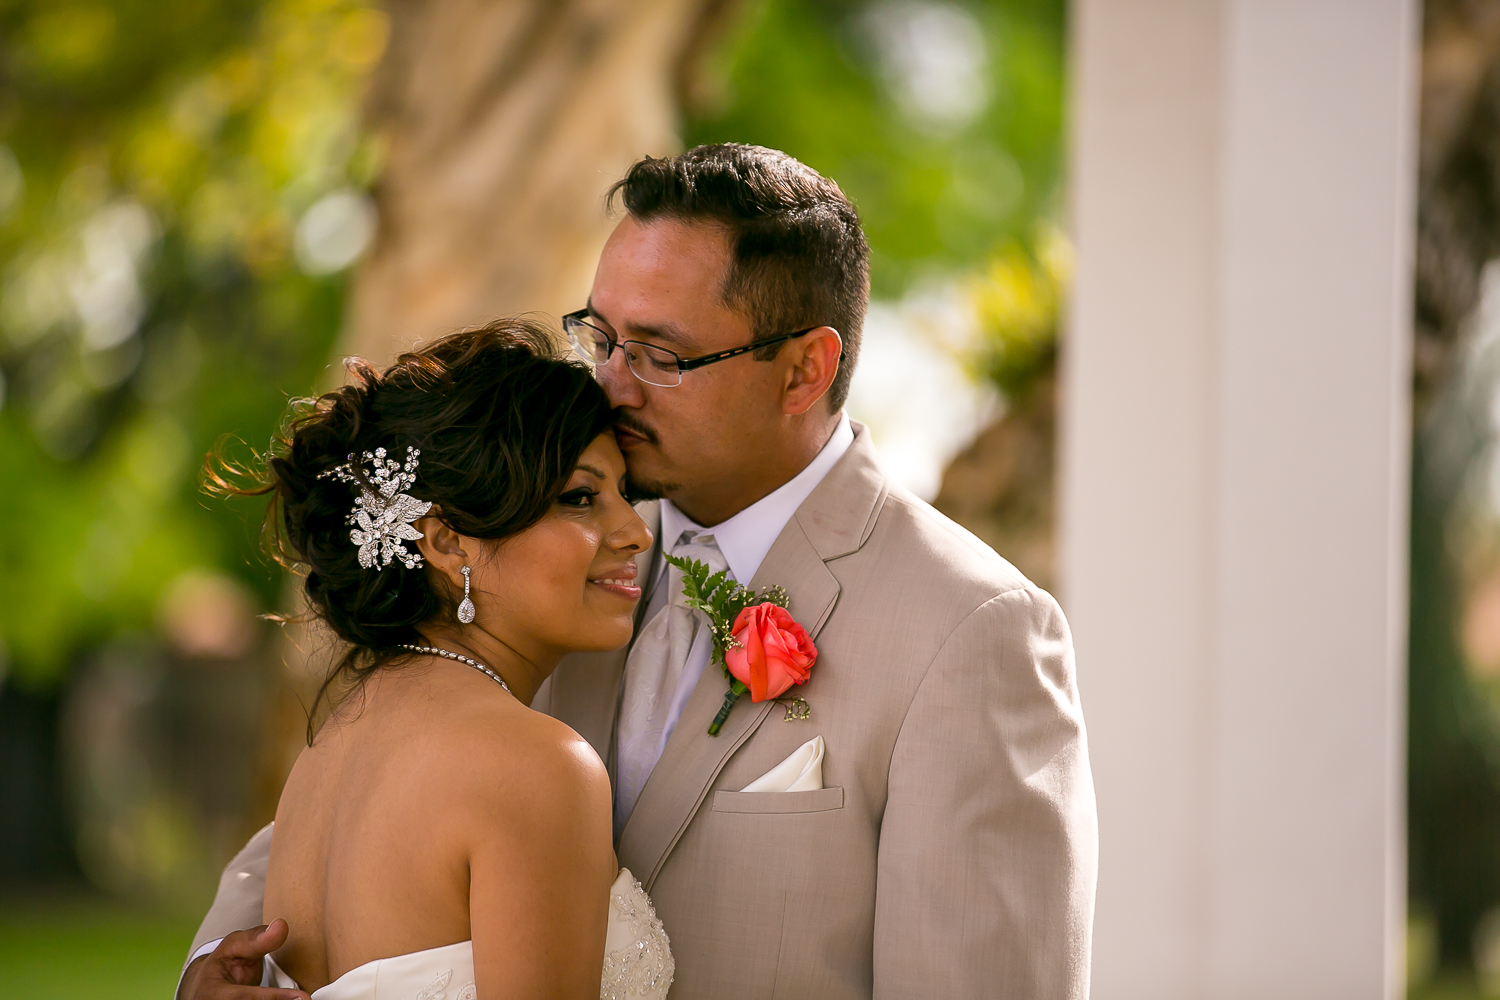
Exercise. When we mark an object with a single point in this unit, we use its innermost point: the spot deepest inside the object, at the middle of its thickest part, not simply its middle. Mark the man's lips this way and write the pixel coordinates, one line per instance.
(620, 581)
(629, 433)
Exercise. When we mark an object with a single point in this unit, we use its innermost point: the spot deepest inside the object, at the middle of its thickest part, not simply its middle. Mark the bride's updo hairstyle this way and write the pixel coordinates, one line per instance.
(500, 418)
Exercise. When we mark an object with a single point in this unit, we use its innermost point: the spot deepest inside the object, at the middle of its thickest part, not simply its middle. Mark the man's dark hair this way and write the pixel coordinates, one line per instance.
(799, 256)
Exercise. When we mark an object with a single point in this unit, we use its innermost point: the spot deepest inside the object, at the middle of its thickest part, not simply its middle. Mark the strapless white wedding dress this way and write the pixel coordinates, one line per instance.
(637, 961)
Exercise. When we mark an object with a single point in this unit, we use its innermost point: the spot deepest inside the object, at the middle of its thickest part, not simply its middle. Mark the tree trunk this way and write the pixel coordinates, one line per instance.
(505, 122)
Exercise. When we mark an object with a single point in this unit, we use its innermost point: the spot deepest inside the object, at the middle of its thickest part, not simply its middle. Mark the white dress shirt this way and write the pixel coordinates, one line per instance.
(744, 539)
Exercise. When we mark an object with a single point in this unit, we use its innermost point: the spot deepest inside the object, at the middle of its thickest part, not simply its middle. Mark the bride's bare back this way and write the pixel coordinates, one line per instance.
(435, 808)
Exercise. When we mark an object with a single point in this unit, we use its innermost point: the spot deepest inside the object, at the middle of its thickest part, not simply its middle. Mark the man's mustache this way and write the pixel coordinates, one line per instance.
(633, 425)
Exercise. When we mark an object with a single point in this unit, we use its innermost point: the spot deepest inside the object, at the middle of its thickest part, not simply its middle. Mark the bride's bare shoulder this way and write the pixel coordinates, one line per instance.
(519, 766)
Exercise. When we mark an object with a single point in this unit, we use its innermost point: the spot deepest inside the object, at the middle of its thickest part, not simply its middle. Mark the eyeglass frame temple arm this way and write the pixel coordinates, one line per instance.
(687, 365)
(708, 359)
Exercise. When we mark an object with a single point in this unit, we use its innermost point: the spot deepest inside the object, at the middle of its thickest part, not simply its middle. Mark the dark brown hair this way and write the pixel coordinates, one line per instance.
(799, 255)
(500, 417)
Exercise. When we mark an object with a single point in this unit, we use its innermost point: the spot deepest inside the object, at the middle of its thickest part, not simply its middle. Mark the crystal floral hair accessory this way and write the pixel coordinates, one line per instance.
(383, 516)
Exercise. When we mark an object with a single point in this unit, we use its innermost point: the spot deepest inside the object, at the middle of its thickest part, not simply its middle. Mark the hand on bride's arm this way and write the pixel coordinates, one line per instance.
(233, 970)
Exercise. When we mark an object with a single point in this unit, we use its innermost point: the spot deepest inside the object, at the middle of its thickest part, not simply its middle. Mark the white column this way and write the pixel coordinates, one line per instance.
(1235, 461)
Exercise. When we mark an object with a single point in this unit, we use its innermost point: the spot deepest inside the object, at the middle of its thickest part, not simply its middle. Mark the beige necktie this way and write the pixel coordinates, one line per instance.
(653, 673)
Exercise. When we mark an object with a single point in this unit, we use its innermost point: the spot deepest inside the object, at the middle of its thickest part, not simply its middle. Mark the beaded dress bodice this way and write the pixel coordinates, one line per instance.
(637, 961)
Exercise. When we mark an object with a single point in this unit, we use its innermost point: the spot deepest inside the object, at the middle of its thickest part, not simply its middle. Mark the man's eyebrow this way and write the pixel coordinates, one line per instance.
(665, 332)
(660, 331)
(588, 307)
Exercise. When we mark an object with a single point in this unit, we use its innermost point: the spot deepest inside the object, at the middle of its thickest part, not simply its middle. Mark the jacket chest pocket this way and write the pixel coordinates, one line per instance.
(820, 800)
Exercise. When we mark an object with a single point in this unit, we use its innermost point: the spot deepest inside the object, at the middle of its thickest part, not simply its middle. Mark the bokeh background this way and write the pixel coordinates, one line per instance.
(204, 204)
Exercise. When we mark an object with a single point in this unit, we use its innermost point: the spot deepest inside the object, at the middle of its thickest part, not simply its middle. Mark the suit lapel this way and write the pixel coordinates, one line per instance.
(835, 520)
(586, 686)
(692, 759)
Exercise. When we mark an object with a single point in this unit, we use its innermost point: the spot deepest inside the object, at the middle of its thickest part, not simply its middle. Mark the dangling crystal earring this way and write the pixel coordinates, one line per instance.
(466, 606)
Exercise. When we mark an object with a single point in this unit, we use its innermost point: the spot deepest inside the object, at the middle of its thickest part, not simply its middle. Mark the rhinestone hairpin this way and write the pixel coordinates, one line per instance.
(383, 515)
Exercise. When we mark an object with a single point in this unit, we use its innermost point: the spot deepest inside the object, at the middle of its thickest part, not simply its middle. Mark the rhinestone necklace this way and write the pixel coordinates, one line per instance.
(434, 651)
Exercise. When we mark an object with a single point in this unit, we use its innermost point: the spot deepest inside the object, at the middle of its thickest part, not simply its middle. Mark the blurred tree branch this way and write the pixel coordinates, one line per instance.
(1458, 220)
(1453, 739)
(1003, 486)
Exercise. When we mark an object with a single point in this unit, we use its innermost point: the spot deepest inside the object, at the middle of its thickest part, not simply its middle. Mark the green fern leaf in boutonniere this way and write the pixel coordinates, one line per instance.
(760, 647)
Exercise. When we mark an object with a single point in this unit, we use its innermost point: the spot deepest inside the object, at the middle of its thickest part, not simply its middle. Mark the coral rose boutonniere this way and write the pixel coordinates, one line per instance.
(757, 642)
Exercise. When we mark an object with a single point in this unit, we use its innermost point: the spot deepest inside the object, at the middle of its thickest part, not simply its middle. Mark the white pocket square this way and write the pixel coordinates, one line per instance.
(801, 772)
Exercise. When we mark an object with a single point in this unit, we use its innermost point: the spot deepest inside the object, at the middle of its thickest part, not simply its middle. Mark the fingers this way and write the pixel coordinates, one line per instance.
(272, 936)
(253, 944)
(231, 979)
(235, 968)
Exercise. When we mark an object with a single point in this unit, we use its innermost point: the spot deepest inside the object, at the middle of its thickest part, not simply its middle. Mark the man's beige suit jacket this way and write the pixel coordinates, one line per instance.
(952, 851)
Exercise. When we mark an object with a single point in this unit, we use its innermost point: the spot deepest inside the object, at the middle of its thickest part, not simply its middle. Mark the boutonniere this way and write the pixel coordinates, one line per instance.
(759, 645)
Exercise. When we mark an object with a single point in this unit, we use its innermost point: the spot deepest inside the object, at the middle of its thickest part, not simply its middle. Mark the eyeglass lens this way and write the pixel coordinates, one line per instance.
(589, 343)
(652, 365)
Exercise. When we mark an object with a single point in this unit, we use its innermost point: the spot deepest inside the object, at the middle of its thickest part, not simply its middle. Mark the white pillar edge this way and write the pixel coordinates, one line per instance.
(1235, 456)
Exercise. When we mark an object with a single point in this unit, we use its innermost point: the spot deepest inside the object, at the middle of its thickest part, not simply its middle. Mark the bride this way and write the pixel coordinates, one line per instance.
(462, 522)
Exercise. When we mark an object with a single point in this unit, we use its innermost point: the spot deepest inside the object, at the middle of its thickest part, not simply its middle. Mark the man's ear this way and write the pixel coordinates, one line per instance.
(814, 365)
(443, 548)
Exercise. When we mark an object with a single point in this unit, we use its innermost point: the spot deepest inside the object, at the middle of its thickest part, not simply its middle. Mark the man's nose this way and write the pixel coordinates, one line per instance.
(620, 384)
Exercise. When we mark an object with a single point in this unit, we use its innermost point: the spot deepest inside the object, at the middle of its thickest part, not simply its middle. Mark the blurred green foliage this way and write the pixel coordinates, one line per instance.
(943, 123)
(88, 947)
(155, 157)
(1018, 301)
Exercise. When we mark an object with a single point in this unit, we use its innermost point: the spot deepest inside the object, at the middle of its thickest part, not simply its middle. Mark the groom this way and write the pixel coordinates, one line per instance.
(949, 846)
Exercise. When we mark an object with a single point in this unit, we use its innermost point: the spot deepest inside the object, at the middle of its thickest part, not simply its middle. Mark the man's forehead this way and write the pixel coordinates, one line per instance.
(663, 240)
(662, 278)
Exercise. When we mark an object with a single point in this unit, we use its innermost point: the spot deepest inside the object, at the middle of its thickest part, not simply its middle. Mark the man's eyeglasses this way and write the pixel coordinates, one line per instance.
(647, 362)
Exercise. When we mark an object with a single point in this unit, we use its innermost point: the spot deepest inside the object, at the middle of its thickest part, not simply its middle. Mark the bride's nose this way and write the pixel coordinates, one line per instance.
(632, 535)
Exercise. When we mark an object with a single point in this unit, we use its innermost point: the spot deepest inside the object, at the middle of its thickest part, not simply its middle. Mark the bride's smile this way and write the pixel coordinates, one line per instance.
(617, 581)
(563, 584)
